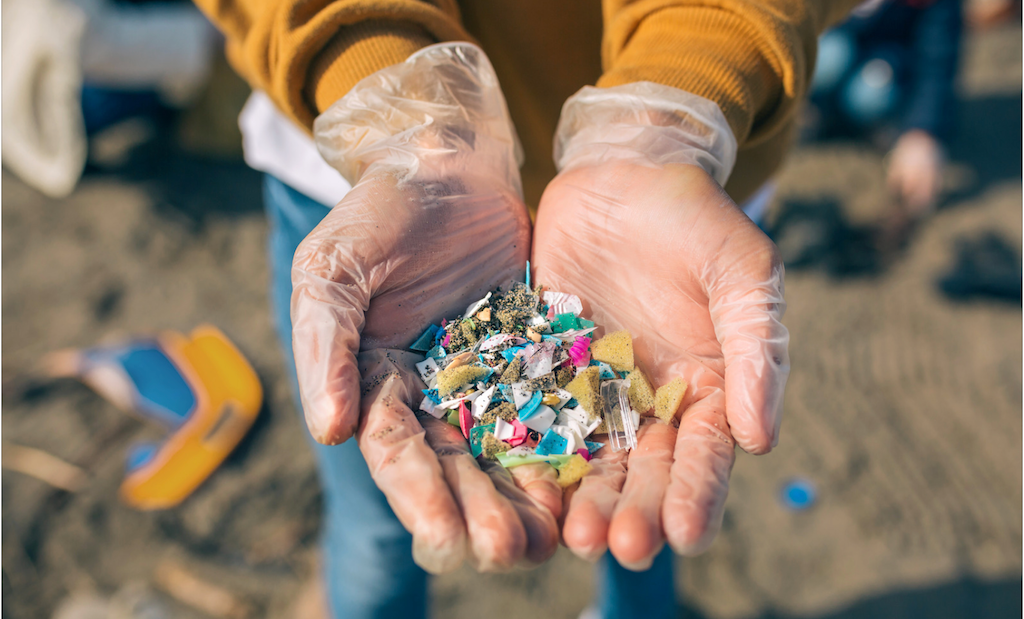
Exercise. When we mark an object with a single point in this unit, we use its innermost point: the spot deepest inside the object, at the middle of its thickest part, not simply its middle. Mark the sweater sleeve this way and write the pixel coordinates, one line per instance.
(754, 58)
(306, 54)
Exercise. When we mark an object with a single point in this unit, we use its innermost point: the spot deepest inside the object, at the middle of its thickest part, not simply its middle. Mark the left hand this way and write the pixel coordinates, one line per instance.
(658, 248)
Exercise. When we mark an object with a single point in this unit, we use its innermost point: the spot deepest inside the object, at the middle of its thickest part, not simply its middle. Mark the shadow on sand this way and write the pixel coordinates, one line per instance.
(964, 599)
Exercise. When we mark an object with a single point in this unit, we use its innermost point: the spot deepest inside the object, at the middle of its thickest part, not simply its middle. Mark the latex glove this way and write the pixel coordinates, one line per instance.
(434, 220)
(637, 226)
(915, 171)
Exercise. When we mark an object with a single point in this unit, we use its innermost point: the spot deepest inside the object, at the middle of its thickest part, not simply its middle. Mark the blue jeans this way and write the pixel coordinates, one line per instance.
(367, 560)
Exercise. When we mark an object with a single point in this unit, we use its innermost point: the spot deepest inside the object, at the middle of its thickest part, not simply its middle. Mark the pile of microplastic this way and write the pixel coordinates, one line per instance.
(521, 375)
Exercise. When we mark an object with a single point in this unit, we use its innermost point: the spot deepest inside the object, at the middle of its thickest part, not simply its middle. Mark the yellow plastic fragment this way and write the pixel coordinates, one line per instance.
(668, 398)
(573, 471)
(615, 349)
(641, 394)
(586, 388)
(450, 379)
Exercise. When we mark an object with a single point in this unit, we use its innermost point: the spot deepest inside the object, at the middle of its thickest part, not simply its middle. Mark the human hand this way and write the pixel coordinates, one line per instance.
(915, 171)
(653, 245)
(434, 220)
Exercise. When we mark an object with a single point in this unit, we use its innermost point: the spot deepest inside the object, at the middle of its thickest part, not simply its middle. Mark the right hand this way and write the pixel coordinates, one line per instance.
(435, 219)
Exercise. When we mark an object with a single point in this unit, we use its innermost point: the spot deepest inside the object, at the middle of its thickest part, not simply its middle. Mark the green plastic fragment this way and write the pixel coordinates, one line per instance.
(555, 460)
(453, 417)
(476, 437)
(564, 322)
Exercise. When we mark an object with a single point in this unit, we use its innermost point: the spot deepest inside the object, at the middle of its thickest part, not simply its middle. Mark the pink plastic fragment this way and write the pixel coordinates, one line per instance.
(583, 451)
(447, 338)
(519, 434)
(466, 420)
(580, 351)
(551, 313)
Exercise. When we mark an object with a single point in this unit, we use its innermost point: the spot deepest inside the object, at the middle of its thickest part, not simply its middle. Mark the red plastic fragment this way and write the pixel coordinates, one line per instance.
(466, 420)
(519, 433)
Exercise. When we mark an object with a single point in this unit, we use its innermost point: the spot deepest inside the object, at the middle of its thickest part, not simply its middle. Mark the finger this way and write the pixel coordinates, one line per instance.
(537, 520)
(540, 482)
(699, 477)
(746, 305)
(635, 535)
(589, 507)
(497, 537)
(327, 317)
(407, 471)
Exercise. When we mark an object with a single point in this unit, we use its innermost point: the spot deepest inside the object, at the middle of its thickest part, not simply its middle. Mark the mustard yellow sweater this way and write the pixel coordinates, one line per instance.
(752, 57)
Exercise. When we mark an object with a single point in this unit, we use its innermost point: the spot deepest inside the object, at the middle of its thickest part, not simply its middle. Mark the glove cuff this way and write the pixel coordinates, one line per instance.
(646, 123)
(443, 100)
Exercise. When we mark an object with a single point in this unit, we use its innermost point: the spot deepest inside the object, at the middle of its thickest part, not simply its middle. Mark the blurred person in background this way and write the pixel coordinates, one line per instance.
(410, 205)
(888, 73)
(73, 68)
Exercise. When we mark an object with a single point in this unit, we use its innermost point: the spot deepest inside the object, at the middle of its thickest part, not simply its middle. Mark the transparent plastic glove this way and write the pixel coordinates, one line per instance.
(637, 226)
(434, 220)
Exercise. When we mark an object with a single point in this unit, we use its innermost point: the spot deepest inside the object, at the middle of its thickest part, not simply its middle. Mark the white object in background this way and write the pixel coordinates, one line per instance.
(43, 132)
(274, 144)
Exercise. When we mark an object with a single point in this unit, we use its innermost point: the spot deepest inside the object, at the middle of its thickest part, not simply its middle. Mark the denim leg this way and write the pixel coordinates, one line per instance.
(367, 560)
(622, 594)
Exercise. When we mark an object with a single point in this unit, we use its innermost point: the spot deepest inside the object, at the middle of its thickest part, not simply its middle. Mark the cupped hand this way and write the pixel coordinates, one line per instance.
(664, 253)
(435, 220)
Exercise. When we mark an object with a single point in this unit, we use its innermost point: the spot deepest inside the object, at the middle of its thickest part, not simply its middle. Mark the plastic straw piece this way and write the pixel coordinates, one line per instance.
(555, 460)
(617, 414)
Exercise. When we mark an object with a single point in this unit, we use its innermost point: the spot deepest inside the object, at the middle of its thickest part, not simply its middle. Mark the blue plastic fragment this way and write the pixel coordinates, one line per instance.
(164, 394)
(592, 446)
(798, 494)
(509, 353)
(426, 341)
(527, 273)
(506, 392)
(552, 443)
(432, 394)
(572, 403)
(530, 408)
(606, 372)
(437, 352)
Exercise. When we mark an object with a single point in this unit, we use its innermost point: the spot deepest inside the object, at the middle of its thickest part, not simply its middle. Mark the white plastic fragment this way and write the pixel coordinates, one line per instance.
(428, 406)
(476, 305)
(538, 359)
(481, 402)
(563, 302)
(541, 420)
(563, 397)
(520, 394)
(428, 372)
(569, 336)
(502, 429)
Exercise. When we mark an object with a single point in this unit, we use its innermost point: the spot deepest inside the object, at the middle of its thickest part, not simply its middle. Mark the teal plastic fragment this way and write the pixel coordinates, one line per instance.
(585, 324)
(509, 353)
(432, 394)
(437, 352)
(476, 437)
(552, 443)
(531, 407)
(555, 460)
(593, 446)
(426, 341)
(564, 322)
(527, 273)
(606, 372)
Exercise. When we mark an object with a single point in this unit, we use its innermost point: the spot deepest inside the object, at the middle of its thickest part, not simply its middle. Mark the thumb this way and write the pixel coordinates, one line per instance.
(746, 305)
(328, 303)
